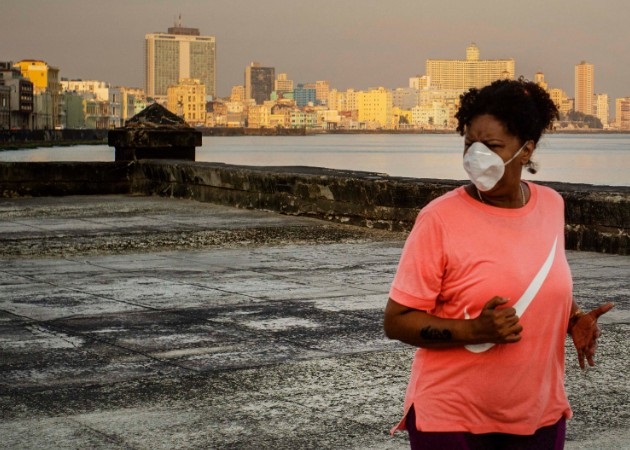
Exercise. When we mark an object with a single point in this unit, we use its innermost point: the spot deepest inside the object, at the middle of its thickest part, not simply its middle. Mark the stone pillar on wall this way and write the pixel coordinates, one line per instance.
(154, 133)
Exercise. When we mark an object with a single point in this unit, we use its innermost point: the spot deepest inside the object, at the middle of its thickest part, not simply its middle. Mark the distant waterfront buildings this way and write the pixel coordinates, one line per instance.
(558, 96)
(468, 73)
(96, 104)
(584, 87)
(33, 97)
(259, 82)
(181, 53)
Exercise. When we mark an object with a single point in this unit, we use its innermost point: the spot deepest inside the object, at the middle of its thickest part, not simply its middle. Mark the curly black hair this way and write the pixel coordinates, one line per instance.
(524, 107)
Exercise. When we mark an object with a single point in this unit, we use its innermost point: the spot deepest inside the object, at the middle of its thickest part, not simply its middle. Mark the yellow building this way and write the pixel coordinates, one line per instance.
(36, 71)
(375, 108)
(46, 92)
(468, 73)
(188, 100)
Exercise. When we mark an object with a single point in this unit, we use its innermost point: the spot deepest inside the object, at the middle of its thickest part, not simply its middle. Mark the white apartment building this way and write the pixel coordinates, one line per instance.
(420, 82)
(468, 73)
(343, 100)
(181, 53)
(434, 115)
(100, 89)
(601, 109)
(405, 98)
(622, 113)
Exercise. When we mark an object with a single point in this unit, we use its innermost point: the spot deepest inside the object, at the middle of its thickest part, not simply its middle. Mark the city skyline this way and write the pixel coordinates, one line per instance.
(376, 44)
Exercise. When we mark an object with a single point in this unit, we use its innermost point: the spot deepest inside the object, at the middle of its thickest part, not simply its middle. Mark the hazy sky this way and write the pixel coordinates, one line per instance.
(351, 43)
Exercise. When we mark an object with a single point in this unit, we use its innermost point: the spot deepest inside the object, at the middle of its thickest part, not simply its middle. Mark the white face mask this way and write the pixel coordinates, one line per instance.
(484, 167)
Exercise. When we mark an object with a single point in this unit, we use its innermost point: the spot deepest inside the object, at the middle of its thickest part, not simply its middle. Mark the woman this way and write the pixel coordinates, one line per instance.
(484, 290)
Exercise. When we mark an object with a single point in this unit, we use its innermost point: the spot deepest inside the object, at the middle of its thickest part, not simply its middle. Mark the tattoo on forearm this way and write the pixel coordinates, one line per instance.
(433, 334)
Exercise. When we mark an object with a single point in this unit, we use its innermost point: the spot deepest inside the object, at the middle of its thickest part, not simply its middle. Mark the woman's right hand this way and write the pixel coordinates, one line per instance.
(497, 325)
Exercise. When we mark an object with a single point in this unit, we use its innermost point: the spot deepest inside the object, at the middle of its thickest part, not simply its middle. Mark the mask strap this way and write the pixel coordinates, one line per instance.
(515, 154)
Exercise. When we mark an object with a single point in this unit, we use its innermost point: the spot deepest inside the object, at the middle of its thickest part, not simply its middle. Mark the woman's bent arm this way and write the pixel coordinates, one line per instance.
(421, 329)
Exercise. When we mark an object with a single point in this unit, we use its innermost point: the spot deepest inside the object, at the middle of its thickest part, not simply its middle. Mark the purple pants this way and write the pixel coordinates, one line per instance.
(545, 438)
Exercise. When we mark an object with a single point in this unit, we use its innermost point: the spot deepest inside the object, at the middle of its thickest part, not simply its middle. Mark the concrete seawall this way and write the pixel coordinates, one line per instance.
(597, 217)
(10, 139)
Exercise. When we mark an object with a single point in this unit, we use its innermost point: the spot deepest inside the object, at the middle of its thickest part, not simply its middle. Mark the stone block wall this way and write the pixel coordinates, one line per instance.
(598, 217)
(37, 179)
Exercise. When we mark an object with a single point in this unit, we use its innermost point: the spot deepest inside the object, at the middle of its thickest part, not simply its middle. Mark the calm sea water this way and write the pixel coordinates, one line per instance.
(574, 158)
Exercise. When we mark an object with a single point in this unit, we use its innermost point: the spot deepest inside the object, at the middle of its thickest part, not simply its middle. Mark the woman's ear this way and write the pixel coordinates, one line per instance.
(528, 151)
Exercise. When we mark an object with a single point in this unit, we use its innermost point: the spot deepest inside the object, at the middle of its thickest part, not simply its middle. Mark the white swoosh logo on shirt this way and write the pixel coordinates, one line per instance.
(521, 305)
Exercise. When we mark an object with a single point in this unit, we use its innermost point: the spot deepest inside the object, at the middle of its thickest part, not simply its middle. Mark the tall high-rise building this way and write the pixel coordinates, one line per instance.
(468, 73)
(584, 87)
(259, 82)
(181, 53)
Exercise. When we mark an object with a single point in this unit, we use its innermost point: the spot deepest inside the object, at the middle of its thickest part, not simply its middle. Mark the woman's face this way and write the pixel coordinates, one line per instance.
(491, 132)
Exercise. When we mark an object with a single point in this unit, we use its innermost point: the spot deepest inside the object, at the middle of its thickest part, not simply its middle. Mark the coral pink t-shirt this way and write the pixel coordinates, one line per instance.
(459, 255)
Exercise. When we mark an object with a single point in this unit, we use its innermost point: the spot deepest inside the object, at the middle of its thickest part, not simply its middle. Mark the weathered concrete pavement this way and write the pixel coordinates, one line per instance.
(134, 322)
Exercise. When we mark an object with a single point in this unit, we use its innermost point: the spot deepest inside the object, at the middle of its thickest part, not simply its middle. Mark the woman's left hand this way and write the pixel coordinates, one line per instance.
(585, 332)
